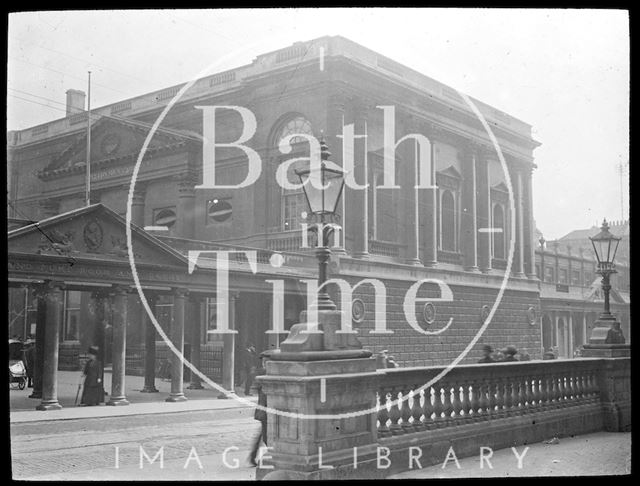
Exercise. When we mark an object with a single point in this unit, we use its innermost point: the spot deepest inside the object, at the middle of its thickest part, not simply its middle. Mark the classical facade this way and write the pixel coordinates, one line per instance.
(462, 231)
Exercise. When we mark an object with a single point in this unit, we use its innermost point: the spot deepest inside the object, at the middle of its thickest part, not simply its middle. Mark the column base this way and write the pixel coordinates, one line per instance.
(195, 386)
(223, 396)
(339, 251)
(532, 276)
(414, 262)
(117, 401)
(49, 405)
(178, 397)
(519, 275)
(431, 264)
(149, 389)
(473, 269)
(362, 255)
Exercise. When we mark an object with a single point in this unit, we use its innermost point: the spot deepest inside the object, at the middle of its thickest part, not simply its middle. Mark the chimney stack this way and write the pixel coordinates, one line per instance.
(75, 101)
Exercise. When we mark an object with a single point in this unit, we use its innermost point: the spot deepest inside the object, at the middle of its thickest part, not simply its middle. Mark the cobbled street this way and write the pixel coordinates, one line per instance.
(86, 448)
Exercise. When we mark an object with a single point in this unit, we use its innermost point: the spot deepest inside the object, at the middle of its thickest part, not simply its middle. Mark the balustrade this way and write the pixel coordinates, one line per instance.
(474, 393)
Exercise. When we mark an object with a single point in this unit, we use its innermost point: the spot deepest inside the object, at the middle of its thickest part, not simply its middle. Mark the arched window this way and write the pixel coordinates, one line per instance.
(298, 124)
(165, 217)
(499, 231)
(448, 221)
(293, 201)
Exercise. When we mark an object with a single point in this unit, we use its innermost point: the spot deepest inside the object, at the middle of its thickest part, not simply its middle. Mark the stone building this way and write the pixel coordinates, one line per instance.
(460, 233)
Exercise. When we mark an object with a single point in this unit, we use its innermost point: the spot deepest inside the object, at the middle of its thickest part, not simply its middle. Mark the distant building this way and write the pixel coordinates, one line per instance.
(571, 298)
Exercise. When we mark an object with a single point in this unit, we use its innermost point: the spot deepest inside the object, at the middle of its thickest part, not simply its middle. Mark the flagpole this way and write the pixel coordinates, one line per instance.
(88, 160)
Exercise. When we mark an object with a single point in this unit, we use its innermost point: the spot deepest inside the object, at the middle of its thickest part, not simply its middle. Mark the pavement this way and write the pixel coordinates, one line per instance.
(598, 454)
(22, 408)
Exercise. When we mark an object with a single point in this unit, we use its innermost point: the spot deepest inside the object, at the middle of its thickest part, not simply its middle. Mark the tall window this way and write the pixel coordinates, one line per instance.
(448, 221)
(212, 320)
(549, 274)
(293, 201)
(562, 277)
(498, 233)
(382, 207)
(71, 330)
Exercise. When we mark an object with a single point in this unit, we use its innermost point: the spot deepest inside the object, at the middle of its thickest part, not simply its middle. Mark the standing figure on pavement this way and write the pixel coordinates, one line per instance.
(260, 415)
(93, 390)
(249, 363)
(30, 360)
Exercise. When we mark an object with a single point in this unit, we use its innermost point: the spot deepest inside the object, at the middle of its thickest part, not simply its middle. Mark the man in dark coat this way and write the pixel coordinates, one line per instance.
(249, 362)
(29, 352)
(510, 353)
(93, 391)
(260, 415)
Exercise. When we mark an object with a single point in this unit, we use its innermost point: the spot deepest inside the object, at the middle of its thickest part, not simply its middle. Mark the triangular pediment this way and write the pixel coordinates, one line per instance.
(450, 171)
(502, 187)
(115, 139)
(92, 233)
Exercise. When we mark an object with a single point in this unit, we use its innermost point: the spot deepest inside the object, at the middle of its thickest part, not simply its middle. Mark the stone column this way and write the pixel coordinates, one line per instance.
(137, 204)
(569, 263)
(584, 328)
(335, 124)
(149, 349)
(119, 347)
(531, 233)
(484, 211)
(431, 240)
(570, 343)
(557, 261)
(469, 212)
(359, 215)
(51, 343)
(196, 331)
(229, 349)
(177, 338)
(581, 251)
(41, 323)
(412, 198)
(518, 261)
(185, 222)
(100, 303)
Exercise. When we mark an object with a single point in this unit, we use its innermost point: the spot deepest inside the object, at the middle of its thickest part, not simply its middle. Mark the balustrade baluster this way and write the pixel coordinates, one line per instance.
(427, 408)
(484, 405)
(508, 397)
(536, 396)
(447, 408)
(394, 413)
(383, 414)
(456, 403)
(438, 406)
(471, 401)
(555, 391)
(593, 386)
(518, 393)
(495, 400)
(416, 409)
(405, 411)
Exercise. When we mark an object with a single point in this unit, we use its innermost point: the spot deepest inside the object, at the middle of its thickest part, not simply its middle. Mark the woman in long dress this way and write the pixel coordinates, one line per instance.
(93, 391)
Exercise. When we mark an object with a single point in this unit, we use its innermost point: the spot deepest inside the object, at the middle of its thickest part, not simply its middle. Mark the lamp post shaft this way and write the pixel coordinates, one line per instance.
(606, 287)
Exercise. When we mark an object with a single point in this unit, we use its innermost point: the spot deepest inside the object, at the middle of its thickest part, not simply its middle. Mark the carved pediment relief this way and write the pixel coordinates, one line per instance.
(93, 232)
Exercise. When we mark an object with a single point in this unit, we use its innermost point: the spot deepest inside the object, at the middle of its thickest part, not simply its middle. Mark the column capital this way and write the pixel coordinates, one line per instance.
(187, 182)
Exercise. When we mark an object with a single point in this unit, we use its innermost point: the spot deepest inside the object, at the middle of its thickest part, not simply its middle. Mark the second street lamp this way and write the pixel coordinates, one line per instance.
(322, 189)
(605, 246)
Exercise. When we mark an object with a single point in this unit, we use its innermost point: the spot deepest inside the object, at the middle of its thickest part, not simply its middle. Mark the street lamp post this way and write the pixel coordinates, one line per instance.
(607, 328)
(542, 241)
(322, 189)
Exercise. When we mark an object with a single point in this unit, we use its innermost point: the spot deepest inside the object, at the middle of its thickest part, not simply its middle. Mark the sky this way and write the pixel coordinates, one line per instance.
(565, 72)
